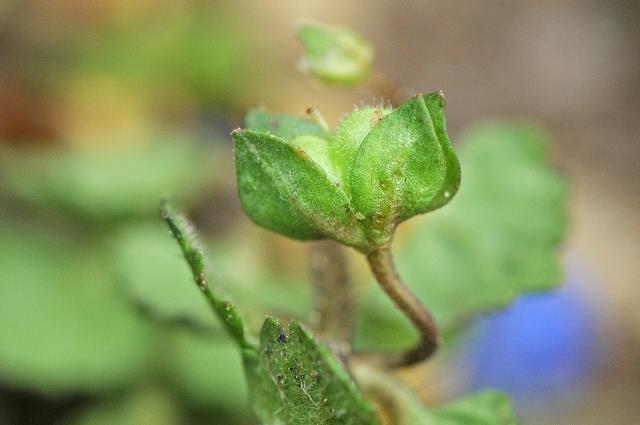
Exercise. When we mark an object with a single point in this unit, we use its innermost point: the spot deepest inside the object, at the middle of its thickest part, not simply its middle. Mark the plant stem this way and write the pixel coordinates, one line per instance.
(334, 303)
(383, 269)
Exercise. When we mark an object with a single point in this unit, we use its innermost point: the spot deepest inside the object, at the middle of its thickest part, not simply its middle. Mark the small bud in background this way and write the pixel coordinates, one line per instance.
(335, 55)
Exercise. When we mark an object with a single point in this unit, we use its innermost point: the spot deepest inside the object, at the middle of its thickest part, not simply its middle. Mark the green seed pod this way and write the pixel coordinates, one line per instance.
(379, 168)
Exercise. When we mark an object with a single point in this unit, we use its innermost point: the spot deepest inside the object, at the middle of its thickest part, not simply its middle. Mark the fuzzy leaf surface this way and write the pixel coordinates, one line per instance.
(405, 166)
(282, 189)
(292, 379)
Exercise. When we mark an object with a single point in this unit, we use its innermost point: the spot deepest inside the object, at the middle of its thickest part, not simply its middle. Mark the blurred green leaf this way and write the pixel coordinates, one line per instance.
(292, 379)
(402, 406)
(62, 328)
(207, 372)
(105, 184)
(149, 272)
(498, 239)
(335, 55)
(201, 51)
(148, 407)
(483, 408)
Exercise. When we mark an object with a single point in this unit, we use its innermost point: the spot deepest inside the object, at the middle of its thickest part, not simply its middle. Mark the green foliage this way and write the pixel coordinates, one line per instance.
(283, 189)
(292, 379)
(62, 327)
(335, 55)
(483, 408)
(199, 51)
(109, 184)
(146, 270)
(404, 167)
(379, 168)
(403, 407)
(498, 239)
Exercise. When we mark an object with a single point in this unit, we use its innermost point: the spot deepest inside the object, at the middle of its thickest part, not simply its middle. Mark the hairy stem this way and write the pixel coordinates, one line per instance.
(333, 301)
(383, 269)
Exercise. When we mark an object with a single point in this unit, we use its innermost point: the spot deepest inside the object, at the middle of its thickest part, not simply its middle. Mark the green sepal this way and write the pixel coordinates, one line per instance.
(350, 133)
(405, 166)
(282, 125)
(335, 55)
(283, 189)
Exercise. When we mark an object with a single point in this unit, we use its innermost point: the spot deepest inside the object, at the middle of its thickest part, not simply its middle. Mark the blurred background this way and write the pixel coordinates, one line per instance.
(106, 106)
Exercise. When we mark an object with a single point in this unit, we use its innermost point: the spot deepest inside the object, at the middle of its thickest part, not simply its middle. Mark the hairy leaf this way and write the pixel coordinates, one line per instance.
(405, 166)
(283, 189)
(350, 133)
(292, 379)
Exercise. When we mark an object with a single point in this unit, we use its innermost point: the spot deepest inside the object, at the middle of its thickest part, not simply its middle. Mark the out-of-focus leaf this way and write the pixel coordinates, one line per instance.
(335, 55)
(105, 184)
(499, 238)
(62, 328)
(292, 379)
(148, 407)
(207, 372)
(200, 51)
(149, 272)
(483, 408)
(401, 406)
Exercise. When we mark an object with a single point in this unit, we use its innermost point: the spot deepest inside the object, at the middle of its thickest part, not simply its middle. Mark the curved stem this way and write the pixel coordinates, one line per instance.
(383, 269)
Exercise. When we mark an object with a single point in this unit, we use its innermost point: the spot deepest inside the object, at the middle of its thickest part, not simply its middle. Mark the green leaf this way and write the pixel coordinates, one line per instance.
(483, 408)
(194, 254)
(206, 371)
(283, 189)
(301, 382)
(146, 269)
(405, 166)
(284, 126)
(498, 239)
(350, 133)
(403, 407)
(101, 185)
(63, 329)
(291, 378)
(335, 55)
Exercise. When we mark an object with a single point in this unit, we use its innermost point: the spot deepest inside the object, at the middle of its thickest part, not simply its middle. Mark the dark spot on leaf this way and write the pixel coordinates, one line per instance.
(282, 338)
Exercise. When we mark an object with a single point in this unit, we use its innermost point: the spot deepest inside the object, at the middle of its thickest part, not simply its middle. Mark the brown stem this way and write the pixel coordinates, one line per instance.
(334, 304)
(383, 269)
